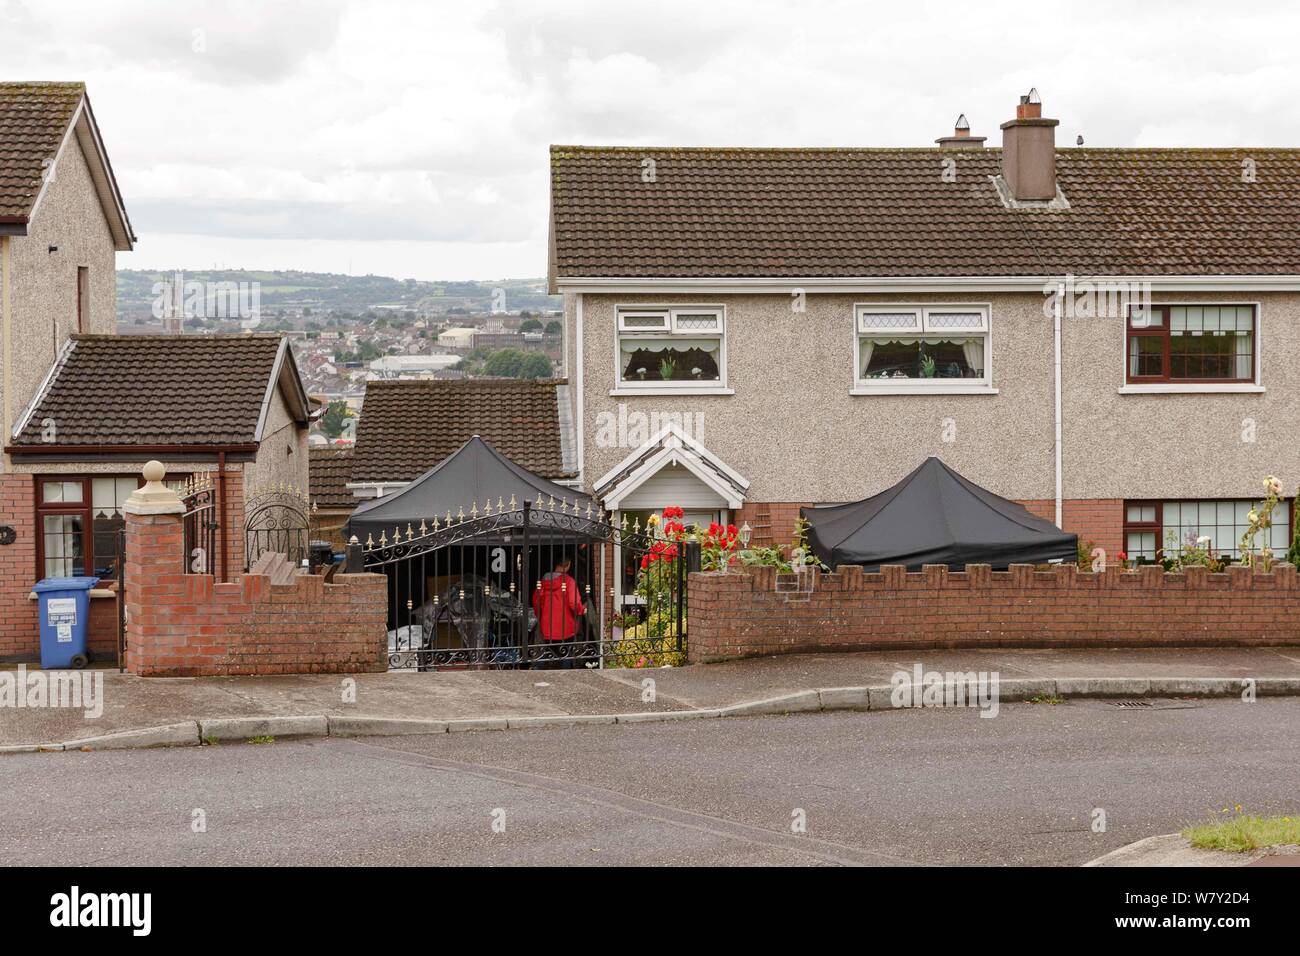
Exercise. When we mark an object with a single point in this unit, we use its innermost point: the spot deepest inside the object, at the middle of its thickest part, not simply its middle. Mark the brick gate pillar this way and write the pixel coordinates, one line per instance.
(154, 572)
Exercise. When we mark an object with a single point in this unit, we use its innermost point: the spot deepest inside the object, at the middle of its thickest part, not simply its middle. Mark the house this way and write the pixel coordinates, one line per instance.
(330, 469)
(1108, 336)
(84, 408)
(408, 427)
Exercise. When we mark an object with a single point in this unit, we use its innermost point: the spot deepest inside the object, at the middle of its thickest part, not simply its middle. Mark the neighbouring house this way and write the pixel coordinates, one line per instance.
(408, 427)
(332, 502)
(84, 408)
(1108, 336)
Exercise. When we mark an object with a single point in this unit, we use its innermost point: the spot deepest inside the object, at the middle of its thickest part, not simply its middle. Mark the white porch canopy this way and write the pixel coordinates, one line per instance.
(672, 459)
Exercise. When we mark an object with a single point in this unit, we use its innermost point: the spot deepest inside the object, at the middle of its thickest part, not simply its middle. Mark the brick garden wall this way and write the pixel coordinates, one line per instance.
(740, 615)
(189, 625)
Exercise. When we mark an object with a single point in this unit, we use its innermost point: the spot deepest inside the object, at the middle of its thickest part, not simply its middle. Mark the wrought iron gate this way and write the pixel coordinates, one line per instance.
(531, 585)
(279, 519)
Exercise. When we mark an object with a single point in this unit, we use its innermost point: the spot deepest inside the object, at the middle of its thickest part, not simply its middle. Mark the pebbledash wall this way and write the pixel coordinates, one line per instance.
(188, 625)
(742, 615)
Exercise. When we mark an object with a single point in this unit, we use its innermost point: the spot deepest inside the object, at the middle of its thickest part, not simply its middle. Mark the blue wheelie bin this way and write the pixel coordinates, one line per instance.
(65, 613)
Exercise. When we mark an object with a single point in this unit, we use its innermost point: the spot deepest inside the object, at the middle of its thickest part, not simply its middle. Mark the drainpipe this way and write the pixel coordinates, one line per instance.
(1056, 344)
(577, 361)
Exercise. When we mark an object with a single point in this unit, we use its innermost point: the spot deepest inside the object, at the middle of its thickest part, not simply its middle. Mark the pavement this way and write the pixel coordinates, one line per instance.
(313, 705)
(909, 787)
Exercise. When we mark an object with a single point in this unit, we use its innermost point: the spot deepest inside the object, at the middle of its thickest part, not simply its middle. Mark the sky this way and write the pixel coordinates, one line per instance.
(409, 138)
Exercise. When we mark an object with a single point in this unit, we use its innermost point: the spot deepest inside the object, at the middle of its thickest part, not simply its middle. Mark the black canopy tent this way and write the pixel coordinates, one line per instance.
(457, 592)
(475, 473)
(934, 516)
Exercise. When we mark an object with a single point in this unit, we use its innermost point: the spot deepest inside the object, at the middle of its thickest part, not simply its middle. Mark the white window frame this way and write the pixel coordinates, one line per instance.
(671, 314)
(923, 311)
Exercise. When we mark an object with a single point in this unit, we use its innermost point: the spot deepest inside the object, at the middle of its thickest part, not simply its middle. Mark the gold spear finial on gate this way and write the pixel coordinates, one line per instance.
(409, 532)
(551, 503)
(513, 506)
(487, 508)
(370, 542)
(383, 540)
(424, 528)
(448, 521)
(501, 504)
(473, 508)
(460, 515)
(435, 523)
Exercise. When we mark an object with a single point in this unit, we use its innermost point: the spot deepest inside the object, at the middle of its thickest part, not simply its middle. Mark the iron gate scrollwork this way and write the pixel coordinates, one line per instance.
(200, 525)
(531, 585)
(277, 518)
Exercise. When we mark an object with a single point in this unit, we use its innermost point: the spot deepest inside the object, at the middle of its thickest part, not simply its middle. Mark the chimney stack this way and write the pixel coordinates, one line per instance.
(1029, 152)
(961, 137)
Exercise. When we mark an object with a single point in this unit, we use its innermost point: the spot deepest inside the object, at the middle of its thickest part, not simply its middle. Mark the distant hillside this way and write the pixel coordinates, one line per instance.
(326, 292)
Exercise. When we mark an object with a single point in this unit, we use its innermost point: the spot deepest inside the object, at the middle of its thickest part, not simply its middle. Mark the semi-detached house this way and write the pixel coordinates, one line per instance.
(752, 330)
(82, 408)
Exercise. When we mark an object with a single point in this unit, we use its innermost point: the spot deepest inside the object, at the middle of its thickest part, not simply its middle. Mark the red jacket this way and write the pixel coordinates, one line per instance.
(558, 606)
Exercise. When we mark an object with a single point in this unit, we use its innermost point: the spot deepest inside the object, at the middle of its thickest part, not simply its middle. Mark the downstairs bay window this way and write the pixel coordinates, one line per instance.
(1154, 530)
(921, 348)
(672, 349)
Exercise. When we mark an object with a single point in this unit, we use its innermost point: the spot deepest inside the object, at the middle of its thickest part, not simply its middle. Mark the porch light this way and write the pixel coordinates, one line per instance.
(745, 532)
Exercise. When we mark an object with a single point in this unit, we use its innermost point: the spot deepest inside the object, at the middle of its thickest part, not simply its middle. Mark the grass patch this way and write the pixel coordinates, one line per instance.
(1240, 834)
(1046, 699)
(210, 740)
(261, 740)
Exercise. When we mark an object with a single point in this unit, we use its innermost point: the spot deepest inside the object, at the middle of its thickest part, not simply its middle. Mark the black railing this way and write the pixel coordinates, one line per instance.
(531, 586)
(201, 526)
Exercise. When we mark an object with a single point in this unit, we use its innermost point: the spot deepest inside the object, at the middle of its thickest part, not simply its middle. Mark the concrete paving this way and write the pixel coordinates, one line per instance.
(938, 786)
(133, 703)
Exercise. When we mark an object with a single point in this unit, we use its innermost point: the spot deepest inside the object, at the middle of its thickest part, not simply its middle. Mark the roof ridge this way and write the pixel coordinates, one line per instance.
(927, 150)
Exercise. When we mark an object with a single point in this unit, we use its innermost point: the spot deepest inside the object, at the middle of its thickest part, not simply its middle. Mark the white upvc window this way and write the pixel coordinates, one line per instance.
(671, 348)
(922, 348)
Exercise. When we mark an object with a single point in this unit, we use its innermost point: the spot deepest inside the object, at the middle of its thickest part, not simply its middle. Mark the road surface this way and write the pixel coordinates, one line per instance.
(913, 787)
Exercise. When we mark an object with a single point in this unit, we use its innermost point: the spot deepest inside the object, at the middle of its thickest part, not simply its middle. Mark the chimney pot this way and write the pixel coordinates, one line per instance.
(961, 137)
(1029, 152)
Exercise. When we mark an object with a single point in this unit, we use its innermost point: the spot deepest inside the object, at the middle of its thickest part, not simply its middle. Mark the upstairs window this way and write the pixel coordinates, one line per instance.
(671, 348)
(1191, 343)
(922, 347)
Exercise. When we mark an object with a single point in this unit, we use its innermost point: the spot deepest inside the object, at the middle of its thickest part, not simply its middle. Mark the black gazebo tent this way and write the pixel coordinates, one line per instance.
(473, 474)
(934, 516)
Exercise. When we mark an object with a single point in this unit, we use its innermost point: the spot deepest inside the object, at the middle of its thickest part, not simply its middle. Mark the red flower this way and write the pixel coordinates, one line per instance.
(673, 512)
(1123, 556)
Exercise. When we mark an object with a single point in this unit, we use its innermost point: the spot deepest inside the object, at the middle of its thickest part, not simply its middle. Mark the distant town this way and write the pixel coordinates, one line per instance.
(347, 330)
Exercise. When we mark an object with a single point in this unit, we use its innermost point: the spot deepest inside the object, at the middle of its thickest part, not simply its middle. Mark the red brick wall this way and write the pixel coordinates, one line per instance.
(19, 629)
(738, 615)
(189, 625)
(1099, 520)
(772, 522)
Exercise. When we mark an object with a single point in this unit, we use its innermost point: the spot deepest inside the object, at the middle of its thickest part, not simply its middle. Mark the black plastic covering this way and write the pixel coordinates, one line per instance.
(935, 516)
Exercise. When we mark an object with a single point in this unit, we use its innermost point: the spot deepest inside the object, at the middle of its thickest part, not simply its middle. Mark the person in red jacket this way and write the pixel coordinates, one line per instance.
(558, 605)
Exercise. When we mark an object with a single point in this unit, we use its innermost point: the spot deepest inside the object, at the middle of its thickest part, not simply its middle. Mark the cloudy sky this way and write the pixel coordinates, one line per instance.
(409, 138)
